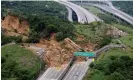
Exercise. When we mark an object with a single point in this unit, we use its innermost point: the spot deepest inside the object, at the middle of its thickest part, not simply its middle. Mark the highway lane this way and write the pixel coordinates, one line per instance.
(83, 15)
(111, 9)
(80, 15)
(117, 12)
(89, 16)
(78, 70)
(52, 73)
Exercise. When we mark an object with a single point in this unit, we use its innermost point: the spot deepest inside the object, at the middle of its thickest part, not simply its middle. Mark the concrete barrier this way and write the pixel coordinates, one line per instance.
(67, 68)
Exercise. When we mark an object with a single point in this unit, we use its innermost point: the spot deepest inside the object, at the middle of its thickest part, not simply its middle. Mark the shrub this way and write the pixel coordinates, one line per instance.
(59, 36)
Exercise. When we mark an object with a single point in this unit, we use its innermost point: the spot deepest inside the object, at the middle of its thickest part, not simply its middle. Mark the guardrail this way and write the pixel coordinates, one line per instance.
(67, 68)
(105, 48)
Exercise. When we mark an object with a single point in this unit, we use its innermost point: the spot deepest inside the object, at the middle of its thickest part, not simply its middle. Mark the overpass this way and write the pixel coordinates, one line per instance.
(118, 13)
(83, 15)
(108, 7)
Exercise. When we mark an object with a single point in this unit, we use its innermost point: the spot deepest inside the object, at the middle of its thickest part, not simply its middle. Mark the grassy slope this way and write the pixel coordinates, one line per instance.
(93, 10)
(107, 18)
(127, 40)
(25, 58)
(93, 31)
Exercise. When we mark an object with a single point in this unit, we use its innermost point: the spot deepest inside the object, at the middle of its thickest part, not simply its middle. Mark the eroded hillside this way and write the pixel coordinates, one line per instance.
(12, 26)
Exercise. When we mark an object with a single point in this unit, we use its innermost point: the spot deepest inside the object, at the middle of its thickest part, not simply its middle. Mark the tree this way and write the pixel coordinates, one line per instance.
(51, 28)
(59, 36)
(105, 40)
(116, 76)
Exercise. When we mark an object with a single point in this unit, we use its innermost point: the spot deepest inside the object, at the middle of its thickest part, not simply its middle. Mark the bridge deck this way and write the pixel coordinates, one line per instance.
(78, 70)
(53, 73)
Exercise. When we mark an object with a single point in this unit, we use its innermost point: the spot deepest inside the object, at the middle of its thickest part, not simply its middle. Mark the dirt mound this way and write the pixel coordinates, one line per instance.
(14, 25)
(116, 32)
(58, 53)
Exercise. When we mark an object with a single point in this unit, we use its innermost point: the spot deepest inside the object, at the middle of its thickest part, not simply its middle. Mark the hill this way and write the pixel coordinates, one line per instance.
(42, 8)
(18, 63)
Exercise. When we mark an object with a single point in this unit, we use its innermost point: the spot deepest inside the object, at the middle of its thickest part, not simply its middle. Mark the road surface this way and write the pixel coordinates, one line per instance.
(117, 12)
(83, 15)
(52, 73)
(78, 70)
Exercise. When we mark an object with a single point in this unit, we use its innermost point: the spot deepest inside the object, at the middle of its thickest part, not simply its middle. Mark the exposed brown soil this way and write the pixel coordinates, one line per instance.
(13, 26)
(56, 53)
(59, 53)
(116, 32)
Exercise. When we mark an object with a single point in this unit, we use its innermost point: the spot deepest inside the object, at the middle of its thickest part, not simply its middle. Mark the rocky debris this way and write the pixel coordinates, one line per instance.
(113, 31)
(73, 44)
(13, 26)
(58, 53)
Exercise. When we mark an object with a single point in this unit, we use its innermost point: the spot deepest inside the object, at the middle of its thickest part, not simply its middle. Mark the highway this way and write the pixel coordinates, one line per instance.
(117, 12)
(111, 9)
(80, 15)
(52, 73)
(83, 15)
(78, 70)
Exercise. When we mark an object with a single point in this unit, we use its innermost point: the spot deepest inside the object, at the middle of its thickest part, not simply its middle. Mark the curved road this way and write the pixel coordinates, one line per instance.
(117, 12)
(83, 15)
(111, 9)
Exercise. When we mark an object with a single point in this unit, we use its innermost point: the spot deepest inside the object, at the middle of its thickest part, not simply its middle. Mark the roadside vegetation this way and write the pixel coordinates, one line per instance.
(8, 39)
(106, 17)
(17, 63)
(94, 32)
(114, 64)
(112, 68)
(125, 6)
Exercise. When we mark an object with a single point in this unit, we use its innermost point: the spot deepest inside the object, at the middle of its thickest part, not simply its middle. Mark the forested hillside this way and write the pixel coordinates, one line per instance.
(42, 8)
(126, 6)
(44, 18)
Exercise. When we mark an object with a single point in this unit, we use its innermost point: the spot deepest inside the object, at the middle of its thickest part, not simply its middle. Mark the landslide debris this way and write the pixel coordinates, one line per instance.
(59, 53)
(12, 26)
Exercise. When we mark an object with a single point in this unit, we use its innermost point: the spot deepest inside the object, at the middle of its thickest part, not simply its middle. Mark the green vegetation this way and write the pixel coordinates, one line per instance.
(112, 68)
(126, 6)
(114, 64)
(106, 17)
(94, 32)
(94, 10)
(127, 40)
(18, 63)
(8, 39)
(42, 8)
(44, 17)
(43, 27)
